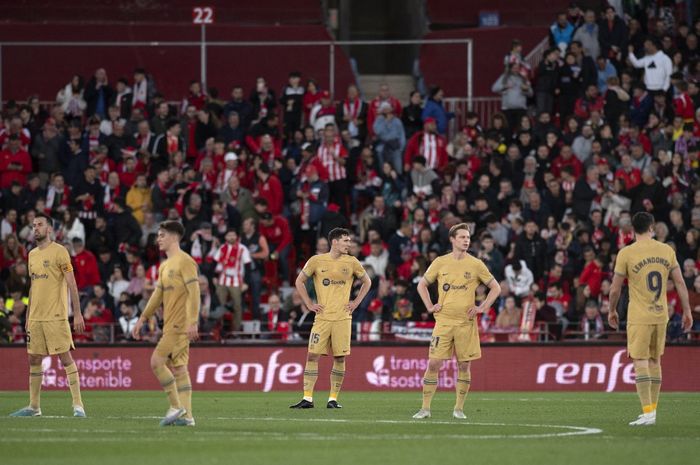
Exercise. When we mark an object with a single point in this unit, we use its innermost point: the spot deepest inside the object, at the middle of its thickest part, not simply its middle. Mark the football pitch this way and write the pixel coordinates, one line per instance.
(372, 428)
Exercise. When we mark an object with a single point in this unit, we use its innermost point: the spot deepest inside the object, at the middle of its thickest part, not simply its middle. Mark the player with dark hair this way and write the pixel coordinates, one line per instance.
(456, 332)
(48, 330)
(178, 290)
(333, 274)
(647, 265)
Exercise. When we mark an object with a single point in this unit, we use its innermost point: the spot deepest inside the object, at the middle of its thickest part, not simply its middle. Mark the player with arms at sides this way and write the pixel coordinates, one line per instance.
(456, 331)
(48, 330)
(333, 274)
(178, 290)
(647, 265)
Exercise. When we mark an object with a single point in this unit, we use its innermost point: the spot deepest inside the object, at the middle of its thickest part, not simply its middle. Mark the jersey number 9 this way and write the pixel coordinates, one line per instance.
(654, 284)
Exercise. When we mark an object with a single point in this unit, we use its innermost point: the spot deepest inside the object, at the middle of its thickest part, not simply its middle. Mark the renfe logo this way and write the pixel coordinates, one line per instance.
(573, 373)
(252, 373)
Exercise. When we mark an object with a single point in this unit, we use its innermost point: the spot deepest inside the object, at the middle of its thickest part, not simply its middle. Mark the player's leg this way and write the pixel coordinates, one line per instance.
(467, 348)
(73, 383)
(340, 343)
(638, 346)
(430, 382)
(159, 361)
(319, 341)
(179, 365)
(37, 350)
(655, 352)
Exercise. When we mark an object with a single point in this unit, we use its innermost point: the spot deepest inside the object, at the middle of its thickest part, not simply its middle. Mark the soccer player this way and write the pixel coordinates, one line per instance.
(456, 331)
(647, 265)
(333, 274)
(48, 331)
(178, 290)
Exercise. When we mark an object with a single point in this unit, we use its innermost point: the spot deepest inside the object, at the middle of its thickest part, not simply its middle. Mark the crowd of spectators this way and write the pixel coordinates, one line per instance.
(603, 127)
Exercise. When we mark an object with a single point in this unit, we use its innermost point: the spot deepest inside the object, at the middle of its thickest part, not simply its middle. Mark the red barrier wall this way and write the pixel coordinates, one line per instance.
(45, 70)
(390, 368)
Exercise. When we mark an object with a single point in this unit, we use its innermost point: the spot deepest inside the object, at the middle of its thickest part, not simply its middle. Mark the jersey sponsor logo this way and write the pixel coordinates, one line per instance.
(454, 287)
(333, 282)
(47, 263)
(39, 276)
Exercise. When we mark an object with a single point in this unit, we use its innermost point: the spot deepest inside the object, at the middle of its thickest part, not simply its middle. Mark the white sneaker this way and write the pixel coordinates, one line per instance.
(458, 414)
(79, 412)
(184, 422)
(421, 414)
(171, 416)
(645, 419)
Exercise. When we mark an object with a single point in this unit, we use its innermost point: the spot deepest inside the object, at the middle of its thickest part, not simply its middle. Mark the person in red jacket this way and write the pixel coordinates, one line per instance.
(630, 175)
(683, 103)
(592, 276)
(85, 265)
(566, 158)
(15, 163)
(592, 100)
(275, 228)
(429, 144)
(269, 188)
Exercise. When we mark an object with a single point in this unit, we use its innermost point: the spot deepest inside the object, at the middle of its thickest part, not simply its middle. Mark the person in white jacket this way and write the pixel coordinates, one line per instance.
(71, 97)
(657, 66)
(519, 278)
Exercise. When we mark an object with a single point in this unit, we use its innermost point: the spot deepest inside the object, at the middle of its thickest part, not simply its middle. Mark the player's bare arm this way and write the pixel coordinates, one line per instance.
(682, 291)
(153, 303)
(615, 290)
(494, 292)
(366, 285)
(300, 284)
(78, 321)
(424, 294)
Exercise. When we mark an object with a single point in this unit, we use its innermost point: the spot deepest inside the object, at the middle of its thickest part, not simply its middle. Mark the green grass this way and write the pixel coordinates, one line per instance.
(373, 428)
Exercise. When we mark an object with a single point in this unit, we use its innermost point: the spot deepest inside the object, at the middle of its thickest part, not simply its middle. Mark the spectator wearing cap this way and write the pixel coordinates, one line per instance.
(514, 90)
(428, 144)
(15, 163)
(384, 95)
(656, 64)
(275, 228)
(87, 273)
(323, 112)
(352, 114)
(230, 169)
(434, 108)
(390, 138)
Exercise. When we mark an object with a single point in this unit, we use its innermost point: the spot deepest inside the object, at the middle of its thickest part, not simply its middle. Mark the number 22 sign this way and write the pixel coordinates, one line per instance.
(202, 15)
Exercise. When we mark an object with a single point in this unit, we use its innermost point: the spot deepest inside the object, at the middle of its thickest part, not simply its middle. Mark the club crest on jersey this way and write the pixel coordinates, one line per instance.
(344, 271)
(171, 274)
(467, 275)
(47, 263)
